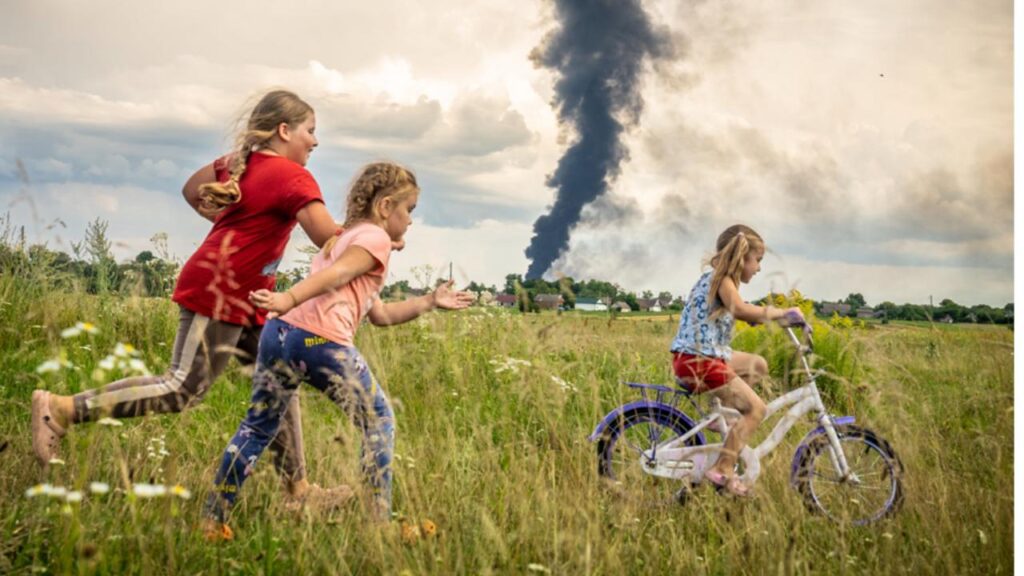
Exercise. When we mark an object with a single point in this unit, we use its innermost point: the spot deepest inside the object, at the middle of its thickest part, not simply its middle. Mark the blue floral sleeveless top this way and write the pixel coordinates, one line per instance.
(698, 334)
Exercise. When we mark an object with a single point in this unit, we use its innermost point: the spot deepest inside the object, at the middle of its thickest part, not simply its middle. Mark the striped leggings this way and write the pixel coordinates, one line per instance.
(202, 350)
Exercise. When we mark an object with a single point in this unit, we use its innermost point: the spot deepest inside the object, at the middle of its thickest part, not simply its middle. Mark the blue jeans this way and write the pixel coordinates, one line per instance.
(289, 356)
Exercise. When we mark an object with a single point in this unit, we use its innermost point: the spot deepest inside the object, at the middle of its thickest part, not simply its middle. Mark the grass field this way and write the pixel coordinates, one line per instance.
(498, 458)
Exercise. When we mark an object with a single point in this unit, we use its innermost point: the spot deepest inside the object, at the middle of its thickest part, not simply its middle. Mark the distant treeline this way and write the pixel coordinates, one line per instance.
(91, 268)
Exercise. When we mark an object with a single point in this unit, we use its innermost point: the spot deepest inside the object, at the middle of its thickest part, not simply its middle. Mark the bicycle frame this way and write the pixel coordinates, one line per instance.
(674, 459)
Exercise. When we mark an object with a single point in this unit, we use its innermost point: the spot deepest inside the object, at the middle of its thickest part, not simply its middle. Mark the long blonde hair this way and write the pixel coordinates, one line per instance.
(376, 181)
(731, 251)
(274, 108)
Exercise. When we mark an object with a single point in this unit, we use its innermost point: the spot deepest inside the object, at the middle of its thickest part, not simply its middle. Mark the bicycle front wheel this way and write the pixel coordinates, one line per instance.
(872, 489)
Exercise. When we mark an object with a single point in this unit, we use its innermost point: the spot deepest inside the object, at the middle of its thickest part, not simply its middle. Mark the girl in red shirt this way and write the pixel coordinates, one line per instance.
(254, 197)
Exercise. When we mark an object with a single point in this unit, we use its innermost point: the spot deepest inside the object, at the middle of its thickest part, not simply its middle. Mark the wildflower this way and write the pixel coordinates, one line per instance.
(410, 533)
(149, 490)
(538, 568)
(56, 461)
(73, 496)
(53, 365)
(99, 487)
(108, 421)
(137, 365)
(428, 528)
(181, 492)
(38, 490)
(982, 537)
(565, 386)
(46, 490)
(48, 366)
(509, 365)
(78, 328)
(123, 350)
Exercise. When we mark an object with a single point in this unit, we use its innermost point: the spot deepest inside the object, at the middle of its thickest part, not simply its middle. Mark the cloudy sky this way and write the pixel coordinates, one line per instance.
(871, 143)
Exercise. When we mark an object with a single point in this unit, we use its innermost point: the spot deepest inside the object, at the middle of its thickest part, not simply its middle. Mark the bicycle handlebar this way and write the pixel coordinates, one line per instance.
(805, 326)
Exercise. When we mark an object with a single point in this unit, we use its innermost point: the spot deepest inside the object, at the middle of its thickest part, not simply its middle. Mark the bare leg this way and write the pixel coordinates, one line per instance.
(737, 394)
(752, 368)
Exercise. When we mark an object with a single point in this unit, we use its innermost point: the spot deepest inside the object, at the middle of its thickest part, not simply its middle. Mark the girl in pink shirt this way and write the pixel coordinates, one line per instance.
(311, 339)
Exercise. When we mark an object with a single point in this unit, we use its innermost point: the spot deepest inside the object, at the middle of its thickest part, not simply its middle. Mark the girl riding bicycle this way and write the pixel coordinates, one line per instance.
(702, 358)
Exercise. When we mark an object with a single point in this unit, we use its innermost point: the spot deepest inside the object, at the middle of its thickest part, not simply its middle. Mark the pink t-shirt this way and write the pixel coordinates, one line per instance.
(335, 315)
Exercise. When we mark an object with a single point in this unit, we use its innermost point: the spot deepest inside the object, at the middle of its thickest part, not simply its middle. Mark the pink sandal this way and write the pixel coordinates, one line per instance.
(731, 484)
(46, 433)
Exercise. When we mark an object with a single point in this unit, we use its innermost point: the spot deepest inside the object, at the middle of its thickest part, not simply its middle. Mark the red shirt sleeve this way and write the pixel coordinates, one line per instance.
(220, 167)
(299, 191)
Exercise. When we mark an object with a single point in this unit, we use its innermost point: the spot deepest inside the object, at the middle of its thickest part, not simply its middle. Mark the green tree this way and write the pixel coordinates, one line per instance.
(101, 271)
(855, 300)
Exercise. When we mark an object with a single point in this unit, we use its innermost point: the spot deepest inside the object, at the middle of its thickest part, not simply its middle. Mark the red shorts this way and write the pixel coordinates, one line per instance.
(701, 373)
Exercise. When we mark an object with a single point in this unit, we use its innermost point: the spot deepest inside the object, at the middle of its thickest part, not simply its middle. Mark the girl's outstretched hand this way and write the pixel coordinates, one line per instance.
(276, 302)
(445, 297)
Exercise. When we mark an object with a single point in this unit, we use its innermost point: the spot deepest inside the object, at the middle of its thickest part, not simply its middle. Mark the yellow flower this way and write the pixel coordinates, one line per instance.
(428, 528)
(410, 533)
(181, 492)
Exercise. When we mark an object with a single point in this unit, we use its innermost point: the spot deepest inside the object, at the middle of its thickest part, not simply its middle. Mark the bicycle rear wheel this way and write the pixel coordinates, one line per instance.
(874, 488)
(625, 451)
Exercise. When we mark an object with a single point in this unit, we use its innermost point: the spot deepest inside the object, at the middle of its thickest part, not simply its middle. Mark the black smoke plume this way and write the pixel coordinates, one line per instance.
(598, 51)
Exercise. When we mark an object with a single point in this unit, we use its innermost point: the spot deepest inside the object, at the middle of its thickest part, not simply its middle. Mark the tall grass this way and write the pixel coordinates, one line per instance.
(498, 458)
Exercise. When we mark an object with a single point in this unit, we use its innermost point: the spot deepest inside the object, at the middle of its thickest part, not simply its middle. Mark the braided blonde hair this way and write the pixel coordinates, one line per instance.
(274, 108)
(376, 181)
(731, 250)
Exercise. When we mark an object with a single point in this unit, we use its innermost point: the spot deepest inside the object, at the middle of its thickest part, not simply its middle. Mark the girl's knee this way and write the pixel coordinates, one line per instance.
(760, 366)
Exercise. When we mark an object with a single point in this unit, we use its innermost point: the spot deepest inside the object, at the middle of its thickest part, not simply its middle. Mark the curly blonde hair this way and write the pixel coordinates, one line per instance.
(376, 181)
(274, 108)
(731, 250)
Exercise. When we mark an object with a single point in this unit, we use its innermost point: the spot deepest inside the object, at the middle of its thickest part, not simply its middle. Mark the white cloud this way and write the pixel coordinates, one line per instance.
(867, 133)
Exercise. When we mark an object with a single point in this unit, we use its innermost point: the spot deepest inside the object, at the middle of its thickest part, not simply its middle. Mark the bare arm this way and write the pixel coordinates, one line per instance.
(391, 313)
(353, 263)
(317, 223)
(190, 190)
(746, 311)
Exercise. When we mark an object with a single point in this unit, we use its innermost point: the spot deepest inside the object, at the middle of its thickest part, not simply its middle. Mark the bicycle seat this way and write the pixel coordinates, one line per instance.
(686, 385)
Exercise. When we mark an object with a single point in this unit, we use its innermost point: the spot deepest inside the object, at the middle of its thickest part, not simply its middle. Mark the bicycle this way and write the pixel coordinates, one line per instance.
(859, 480)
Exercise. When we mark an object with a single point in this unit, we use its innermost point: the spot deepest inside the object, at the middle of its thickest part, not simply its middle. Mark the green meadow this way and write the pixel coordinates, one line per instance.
(493, 412)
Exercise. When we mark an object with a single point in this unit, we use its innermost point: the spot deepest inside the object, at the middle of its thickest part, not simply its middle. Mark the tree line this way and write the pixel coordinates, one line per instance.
(91, 268)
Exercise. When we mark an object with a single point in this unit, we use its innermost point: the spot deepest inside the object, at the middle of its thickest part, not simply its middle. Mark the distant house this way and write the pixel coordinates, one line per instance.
(548, 301)
(947, 319)
(649, 304)
(592, 304)
(506, 300)
(866, 312)
(829, 308)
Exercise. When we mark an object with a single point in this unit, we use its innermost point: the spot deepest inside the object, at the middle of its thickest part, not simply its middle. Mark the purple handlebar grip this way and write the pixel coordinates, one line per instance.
(797, 320)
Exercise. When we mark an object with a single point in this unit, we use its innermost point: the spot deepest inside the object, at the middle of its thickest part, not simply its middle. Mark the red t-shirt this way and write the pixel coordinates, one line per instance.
(242, 251)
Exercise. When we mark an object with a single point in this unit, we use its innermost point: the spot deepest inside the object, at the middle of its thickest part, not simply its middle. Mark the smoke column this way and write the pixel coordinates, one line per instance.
(598, 52)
